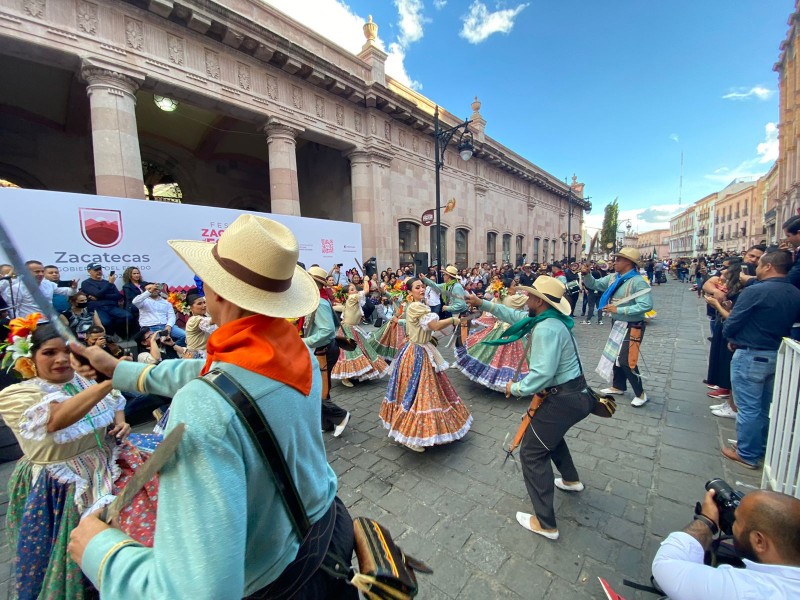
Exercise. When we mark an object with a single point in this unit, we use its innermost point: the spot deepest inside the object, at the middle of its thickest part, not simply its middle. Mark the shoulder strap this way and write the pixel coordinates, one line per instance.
(574, 345)
(262, 434)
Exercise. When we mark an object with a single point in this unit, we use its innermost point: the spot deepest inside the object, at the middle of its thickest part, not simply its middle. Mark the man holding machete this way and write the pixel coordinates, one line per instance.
(222, 530)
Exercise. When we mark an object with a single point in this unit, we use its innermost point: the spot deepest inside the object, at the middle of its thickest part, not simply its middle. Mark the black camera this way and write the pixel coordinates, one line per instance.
(161, 335)
(727, 500)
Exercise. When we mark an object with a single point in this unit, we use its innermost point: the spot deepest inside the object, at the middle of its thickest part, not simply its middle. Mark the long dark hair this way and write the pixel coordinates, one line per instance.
(44, 333)
(732, 276)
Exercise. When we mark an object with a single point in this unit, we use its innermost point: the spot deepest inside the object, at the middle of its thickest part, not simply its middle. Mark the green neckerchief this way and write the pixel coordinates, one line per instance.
(72, 390)
(519, 329)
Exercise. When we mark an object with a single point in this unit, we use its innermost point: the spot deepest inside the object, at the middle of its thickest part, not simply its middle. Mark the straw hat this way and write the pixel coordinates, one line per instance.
(632, 254)
(550, 290)
(254, 266)
(451, 270)
(515, 301)
(319, 275)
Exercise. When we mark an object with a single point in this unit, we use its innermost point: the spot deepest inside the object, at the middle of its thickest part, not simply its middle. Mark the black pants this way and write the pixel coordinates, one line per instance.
(332, 414)
(624, 374)
(321, 585)
(543, 442)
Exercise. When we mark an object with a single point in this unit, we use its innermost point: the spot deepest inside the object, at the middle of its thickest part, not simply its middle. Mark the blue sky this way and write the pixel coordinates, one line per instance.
(611, 90)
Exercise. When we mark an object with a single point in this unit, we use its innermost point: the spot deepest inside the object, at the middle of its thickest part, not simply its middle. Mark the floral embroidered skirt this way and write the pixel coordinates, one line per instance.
(387, 340)
(41, 515)
(492, 366)
(421, 406)
(363, 362)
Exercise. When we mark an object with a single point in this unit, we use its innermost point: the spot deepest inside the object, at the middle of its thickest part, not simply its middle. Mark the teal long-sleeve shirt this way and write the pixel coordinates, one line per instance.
(222, 531)
(551, 360)
(323, 330)
(452, 299)
(629, 312)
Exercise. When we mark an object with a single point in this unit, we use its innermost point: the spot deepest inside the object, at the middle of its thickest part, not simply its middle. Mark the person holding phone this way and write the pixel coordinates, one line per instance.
(157, 314)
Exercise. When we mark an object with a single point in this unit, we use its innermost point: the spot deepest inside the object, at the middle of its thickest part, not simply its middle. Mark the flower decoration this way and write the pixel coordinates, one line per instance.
(178, 301)
(16, 351)
(498, 290)
(399, 290)
(339, 294)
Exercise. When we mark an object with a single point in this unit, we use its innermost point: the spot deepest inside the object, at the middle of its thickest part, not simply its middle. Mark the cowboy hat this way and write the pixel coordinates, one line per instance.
(632, 254)
(550, 290)
(319, 275)
(254, 266)
(515, 301)
(451, 270)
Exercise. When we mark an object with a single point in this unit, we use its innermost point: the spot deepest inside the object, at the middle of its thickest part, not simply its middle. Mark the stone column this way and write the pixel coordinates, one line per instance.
(282, 145)
(371, 205)
(115, 139)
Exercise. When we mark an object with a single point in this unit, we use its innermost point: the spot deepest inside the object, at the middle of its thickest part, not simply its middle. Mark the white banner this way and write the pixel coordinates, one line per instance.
(73, 230)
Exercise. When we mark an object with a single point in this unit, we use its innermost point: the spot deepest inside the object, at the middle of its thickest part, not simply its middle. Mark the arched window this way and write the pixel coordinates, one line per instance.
(462, 246)
(491, 247)
(545, 249)
(553, 249)
(518, 259)
(408, 234)
(536, 242)
(506, 247)
(443, 242)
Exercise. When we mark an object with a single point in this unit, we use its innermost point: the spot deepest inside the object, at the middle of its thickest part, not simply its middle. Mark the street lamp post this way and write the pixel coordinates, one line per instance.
(570, 213)
(442, 138)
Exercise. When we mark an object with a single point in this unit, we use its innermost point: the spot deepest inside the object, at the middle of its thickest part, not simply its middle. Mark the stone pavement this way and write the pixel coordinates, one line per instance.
(454, 505)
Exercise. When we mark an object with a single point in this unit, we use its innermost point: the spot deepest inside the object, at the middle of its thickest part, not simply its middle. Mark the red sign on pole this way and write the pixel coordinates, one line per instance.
(428, 217)
(576, 237)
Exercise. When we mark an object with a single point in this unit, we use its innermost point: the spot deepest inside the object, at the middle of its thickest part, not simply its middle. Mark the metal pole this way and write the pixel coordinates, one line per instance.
(569, 225)
(438, 198)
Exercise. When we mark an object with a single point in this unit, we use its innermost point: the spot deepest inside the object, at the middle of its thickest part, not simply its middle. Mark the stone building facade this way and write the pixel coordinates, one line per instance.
(270, 117)
(682, 234)
(654, 243)
(787, 200)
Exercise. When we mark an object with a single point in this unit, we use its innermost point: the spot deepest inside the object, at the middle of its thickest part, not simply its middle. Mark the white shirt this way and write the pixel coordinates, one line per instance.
(23, 303)
(432, 296)
(154, 311)
(679, 570)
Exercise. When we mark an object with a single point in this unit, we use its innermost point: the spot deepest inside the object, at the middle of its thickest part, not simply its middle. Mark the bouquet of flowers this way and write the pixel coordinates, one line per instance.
(498, 290)
(178, 301)
(339, 294)
(398, 291)
(17, 349)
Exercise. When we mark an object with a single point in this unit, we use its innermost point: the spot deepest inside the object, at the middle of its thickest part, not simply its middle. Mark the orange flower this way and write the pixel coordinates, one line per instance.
(24, 326)
(25, 367)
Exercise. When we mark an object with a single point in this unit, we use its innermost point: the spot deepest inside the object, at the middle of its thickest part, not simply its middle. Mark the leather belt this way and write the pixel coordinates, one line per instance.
(573, 385)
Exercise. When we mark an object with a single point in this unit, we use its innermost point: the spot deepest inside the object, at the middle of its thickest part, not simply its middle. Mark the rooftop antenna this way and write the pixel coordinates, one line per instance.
(680, 185)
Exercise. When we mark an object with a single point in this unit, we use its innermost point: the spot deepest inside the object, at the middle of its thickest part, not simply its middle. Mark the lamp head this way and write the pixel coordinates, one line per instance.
(465, 148)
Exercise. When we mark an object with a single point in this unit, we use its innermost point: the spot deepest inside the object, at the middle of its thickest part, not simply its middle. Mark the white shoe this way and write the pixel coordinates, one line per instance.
(524, 519)
(340, 427)
(717, 406)
(569, 487)
(415, 447)
(726, 411)
(611, 390)
(585, 322)
(347, 383)
(600, 322)
(637, 401)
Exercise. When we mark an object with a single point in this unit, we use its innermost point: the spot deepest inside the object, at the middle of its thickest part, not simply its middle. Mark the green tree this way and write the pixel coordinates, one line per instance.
(608, 233)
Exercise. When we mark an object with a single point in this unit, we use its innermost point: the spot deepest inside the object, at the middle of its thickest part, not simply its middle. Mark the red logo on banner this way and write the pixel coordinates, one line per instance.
(101, 227)
(327, 246)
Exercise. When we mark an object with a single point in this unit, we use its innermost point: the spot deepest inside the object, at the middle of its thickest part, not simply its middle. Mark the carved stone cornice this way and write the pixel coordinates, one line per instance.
(101, 74)
(279, 129)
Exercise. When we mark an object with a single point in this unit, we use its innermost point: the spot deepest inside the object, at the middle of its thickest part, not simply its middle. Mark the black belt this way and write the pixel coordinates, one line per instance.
(573, 385)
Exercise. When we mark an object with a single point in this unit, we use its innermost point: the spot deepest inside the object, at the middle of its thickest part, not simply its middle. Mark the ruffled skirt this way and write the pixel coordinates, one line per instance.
(42, 512)
(387, 340)
(421, 406)
(492, 366)
(362, 363)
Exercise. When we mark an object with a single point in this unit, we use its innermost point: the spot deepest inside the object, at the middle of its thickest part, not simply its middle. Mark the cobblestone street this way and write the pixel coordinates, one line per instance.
(454, 505)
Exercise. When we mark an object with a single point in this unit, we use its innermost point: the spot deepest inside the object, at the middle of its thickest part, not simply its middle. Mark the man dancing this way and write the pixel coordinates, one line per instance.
(452, 292)
(627, 297)
(554, 375)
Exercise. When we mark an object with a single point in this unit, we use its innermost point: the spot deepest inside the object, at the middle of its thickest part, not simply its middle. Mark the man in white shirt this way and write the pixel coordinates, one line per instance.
(19, 298)
(433, 299)
(766, 535)
(156, 314)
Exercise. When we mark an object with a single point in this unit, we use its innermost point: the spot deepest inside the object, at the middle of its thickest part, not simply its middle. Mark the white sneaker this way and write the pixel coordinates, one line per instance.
(585, 322)
(340, 427)
(637, 401)
(726, 411)
(569, 487)
(347, 383)
(600, 322)
(415, 447)
(611, 390)
(717, 406)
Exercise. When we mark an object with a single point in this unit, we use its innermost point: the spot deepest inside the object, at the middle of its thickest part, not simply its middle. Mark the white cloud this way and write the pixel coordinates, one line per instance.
(439, 4)
(411, 21)
(479, 23)
(766, 151)
(674, 137)
(758, 92)
(334, 20)
(642, 219)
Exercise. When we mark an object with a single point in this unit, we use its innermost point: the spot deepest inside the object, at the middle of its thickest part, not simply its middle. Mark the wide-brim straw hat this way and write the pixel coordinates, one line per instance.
(451, 270)
(632, 254)
(550, 290)
(254, 266)
(515, 301)
(319, 275)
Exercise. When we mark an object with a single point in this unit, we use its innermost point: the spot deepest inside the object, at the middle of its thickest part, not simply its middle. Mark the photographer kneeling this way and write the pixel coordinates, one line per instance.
(155, 346)
(766, 535)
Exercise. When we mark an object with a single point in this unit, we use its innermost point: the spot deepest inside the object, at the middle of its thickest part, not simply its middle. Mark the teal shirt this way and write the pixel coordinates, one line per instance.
(222, 531)
(452, 299)
(323, 330)
(551, 360)
(630, 311)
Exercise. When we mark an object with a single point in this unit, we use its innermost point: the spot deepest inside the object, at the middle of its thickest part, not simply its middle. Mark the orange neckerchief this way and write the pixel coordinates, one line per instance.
(265, 345)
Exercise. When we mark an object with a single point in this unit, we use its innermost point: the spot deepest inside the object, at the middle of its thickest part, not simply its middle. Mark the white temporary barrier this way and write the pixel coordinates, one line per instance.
(73, 230)
(782, 461)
